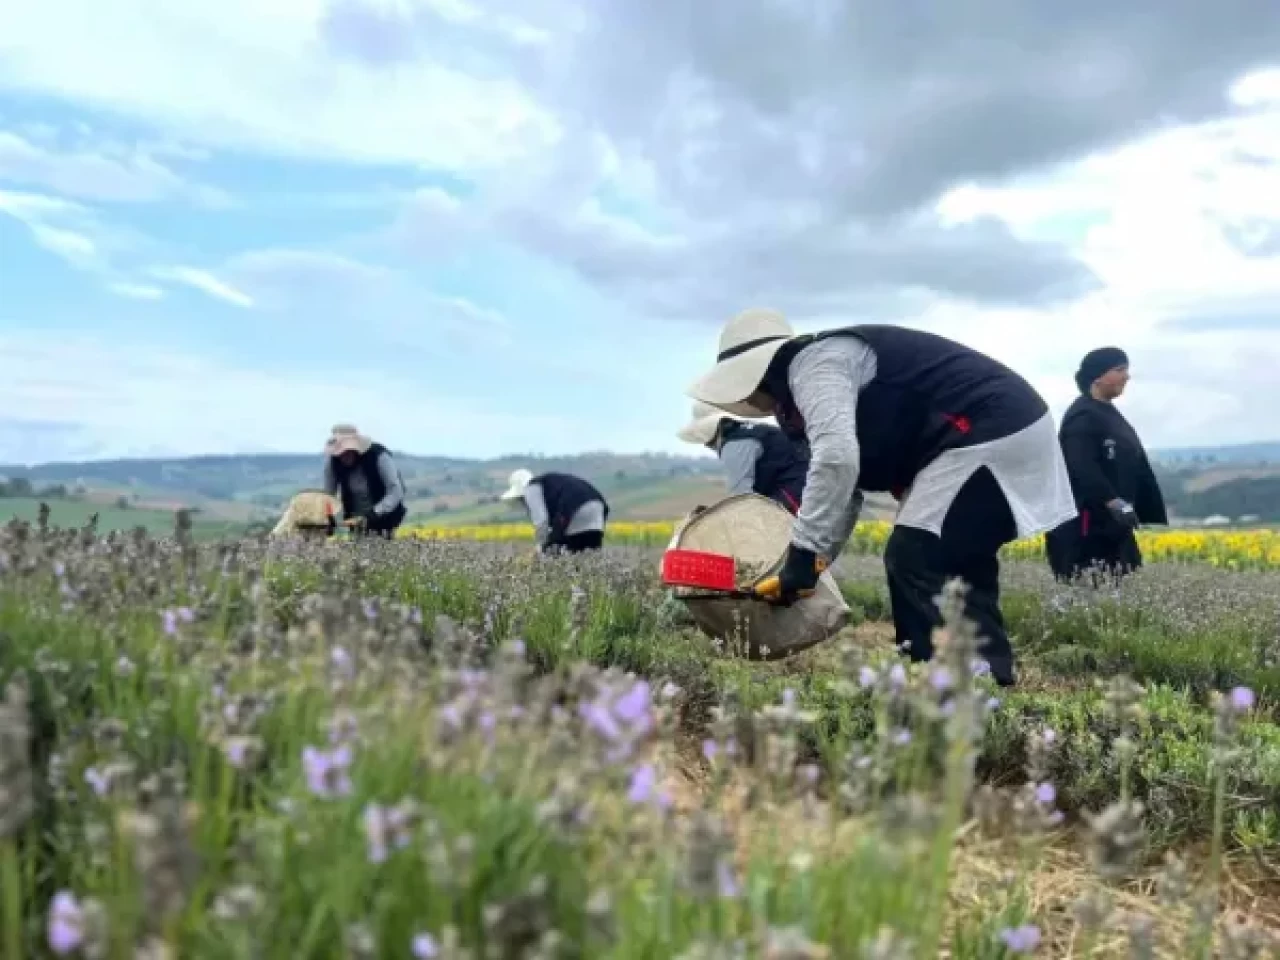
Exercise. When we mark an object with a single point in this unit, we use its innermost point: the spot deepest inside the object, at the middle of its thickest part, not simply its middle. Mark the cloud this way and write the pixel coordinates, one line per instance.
(320, 289)
(290, 97)
(99, 397)
(136, 291)
(102, 172)
(206, 283)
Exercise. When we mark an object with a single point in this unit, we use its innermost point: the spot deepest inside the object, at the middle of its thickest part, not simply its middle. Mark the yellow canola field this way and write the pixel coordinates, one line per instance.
(1235, 549)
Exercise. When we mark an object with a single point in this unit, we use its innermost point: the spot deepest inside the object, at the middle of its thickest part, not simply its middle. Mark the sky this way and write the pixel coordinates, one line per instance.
(476, 228)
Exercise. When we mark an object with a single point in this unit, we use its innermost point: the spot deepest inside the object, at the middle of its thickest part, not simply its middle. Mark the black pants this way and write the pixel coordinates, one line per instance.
(1093, 547)
(385, 524)
(577, 543)
(918, 564)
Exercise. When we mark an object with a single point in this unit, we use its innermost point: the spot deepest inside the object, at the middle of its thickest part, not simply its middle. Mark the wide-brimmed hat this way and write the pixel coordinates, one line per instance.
(748, 344)
(519, 482)
(344, 438)
(703, 424)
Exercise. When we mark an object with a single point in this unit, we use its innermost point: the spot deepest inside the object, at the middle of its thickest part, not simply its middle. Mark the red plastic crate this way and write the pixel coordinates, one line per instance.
(693, 568)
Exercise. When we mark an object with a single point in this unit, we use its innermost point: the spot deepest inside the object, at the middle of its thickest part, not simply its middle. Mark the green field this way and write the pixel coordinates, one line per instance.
(76, 513)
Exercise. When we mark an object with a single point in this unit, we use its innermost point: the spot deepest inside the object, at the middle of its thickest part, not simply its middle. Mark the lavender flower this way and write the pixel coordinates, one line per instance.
(425, 947)
(1023, 939)
(66, 924)
(326, 771)
(1242, 699)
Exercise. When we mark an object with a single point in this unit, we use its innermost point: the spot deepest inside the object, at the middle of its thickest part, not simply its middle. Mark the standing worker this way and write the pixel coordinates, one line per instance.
(567, 512)
(1114, 486)
(757, 457)
(966, 445)
(366, 479)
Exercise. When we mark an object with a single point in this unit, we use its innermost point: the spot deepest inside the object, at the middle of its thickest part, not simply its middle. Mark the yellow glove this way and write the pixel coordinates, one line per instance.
(797, 578)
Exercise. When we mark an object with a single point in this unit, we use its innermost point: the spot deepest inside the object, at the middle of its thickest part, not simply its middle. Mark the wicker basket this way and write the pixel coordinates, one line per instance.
(756, 531)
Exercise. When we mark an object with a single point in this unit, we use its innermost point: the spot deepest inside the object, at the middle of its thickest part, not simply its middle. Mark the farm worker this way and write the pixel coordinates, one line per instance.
(757, 457)
(964, 443)
(366, 480)
(1114, 486)
(567, 512)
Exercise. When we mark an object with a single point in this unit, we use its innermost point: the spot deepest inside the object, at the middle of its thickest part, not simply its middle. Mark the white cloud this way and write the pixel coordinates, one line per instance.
(237, 73)
(136, 291)
(96, 397)
(100, 171)
(205, 282)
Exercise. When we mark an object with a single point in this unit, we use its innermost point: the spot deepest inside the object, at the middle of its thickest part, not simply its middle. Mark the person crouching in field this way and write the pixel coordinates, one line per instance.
(1114, 486)
(366, 480)
(757, 457)
(568, 514)
(965, 443)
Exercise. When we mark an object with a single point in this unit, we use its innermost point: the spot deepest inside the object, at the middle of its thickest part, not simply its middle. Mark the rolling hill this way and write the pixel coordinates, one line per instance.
(232, 491)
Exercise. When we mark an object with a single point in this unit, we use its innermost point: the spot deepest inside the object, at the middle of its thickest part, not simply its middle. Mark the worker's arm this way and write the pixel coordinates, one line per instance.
(330, 478)
(825, 380)
(391, 480)
(1082, 451)
(538, 515)
(739, 460)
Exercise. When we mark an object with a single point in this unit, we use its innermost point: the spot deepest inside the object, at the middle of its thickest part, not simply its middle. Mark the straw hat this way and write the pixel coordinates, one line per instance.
(748, 344)
(519, 482)
(346, 438)
(701, 429)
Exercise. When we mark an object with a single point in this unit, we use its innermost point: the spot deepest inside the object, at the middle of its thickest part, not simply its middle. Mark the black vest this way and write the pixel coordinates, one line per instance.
(783, 465)
(367, 463)
(929, 395)
(564, 494)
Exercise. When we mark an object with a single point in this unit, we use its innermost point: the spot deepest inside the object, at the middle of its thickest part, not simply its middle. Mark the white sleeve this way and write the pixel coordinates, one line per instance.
(825, 379)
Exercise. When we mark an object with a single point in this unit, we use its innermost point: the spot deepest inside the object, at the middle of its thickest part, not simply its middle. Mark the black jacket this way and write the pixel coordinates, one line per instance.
(367, 463)
(1106, 460)
(929, 395)
(564, 494)
(783, 466)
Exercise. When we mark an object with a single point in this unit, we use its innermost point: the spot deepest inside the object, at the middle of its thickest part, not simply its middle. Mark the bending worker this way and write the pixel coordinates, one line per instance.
(757, 457)
(567, 512)
(966, 445)
(1114, 485)
(366, 480)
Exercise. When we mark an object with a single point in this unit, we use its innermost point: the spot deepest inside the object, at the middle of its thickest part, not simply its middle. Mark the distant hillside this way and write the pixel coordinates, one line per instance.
(239, 489)
(244, 488)
(1243, 454)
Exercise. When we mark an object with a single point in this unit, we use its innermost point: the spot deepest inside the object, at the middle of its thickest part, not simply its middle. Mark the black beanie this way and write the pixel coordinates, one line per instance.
(1096, 363)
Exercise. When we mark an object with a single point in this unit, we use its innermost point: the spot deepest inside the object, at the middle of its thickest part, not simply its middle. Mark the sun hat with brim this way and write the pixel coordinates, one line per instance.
(704, 424)
(519, 482)
(344, 438)
(748, 344)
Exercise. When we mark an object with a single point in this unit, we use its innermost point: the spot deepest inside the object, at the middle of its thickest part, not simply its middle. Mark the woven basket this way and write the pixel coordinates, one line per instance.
(309, 513)
(756, 532)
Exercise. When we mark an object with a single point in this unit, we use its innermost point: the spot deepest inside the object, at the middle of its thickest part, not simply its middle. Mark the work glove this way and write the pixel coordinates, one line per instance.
(797, 578)
(1123, 513)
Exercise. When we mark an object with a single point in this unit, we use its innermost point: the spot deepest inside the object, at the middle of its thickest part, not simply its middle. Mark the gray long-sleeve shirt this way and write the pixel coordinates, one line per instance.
(739, 457)
(588, 517)
(359, 489)
(826, 378)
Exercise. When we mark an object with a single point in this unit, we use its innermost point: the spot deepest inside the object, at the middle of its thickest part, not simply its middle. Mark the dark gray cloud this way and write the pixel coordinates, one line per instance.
(795, 148)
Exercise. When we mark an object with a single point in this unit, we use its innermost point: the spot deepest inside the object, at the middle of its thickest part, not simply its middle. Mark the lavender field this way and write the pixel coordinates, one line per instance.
(424, 749)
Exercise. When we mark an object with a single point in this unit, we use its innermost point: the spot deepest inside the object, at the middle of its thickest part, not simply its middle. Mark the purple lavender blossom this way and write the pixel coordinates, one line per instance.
(425, 947)
(1046, 794)
(66, 924)
(326, 772)
(1023, 939)
(1242, 699)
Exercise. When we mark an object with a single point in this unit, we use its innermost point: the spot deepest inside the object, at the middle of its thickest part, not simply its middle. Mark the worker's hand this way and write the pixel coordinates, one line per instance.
(1123, 513)
(797, 578)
